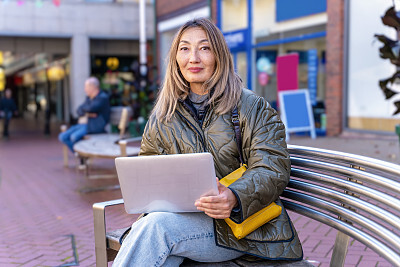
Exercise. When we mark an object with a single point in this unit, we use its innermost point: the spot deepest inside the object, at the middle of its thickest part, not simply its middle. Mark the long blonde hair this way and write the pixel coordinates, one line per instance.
(224, 86)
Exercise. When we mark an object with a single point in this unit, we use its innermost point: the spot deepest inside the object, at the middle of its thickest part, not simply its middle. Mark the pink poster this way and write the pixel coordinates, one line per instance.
(287, 72)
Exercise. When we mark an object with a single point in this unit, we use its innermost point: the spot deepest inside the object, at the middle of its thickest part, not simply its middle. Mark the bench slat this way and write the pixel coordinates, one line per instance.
(113, 238)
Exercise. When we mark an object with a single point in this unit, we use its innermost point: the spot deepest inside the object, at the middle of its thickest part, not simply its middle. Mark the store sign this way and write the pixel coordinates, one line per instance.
(287, 68)
(236, 40)
(290, 9)
(313, 74)
(296, 112)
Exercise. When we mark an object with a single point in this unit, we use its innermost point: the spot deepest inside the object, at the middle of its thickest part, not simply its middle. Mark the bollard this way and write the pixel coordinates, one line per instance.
(63, 128)
(398, 131)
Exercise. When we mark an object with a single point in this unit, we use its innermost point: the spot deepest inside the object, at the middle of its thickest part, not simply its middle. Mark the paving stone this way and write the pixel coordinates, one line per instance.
(367, 263)
(353, 259)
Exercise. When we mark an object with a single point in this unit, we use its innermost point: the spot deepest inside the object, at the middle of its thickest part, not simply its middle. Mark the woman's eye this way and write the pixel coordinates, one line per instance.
(183, 48)
(205, 48)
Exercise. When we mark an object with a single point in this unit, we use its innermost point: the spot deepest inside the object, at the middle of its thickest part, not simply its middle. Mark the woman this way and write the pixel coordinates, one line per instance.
(193, 114)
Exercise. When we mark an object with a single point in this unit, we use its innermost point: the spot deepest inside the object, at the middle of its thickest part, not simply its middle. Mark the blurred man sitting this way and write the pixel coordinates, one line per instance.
(96, 109)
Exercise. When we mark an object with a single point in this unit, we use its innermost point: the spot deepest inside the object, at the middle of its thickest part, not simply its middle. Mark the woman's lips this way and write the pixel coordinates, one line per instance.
(195, 70)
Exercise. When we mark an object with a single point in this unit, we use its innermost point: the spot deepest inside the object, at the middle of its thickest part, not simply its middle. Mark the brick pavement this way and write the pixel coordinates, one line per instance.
(41, 208)
(45, 221)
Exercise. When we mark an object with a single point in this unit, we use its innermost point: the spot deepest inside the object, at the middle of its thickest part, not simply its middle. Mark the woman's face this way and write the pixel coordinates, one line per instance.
(195, 59)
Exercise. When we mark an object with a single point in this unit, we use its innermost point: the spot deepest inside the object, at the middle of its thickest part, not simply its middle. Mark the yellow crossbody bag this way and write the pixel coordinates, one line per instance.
(259, 218)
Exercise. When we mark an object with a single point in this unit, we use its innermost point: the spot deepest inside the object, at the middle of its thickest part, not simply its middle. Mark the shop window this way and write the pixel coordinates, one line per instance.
(234, 15)
(263, 18)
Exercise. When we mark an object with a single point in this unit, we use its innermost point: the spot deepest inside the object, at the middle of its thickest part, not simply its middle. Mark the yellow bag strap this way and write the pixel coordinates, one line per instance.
(233, 176)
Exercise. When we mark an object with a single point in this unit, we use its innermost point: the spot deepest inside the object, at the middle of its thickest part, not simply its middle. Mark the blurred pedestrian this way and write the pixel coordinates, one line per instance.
(96, 110)
(8, 108)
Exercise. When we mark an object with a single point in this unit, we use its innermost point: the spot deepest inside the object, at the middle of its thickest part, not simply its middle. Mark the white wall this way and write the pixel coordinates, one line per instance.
(73, 17)
(78, 20)
(366, 68)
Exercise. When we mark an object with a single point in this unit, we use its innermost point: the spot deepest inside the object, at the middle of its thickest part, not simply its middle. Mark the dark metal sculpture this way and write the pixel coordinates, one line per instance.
(390, 50)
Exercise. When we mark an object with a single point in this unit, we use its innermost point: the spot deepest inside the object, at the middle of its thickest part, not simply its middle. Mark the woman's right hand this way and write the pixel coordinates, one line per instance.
(218, 207)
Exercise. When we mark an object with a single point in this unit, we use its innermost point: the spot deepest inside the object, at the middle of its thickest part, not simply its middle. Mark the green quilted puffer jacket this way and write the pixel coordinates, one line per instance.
(264, 151)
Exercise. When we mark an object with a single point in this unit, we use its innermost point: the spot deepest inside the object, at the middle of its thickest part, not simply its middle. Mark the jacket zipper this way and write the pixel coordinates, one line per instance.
(191, 112)
(194, 127)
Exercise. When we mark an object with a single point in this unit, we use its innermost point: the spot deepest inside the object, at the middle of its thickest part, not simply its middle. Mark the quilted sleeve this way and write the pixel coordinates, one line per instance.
(265, 151)
(151, 144)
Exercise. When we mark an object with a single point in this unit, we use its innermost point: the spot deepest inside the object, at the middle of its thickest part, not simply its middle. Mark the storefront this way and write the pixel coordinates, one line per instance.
(37, 72)
(260, 31)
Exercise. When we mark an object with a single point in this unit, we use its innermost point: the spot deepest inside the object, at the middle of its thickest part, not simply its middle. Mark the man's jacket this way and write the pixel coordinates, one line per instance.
(264, 151)
(8, 105)
(99, 105)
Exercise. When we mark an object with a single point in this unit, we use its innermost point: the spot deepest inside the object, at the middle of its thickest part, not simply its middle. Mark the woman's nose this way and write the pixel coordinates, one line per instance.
(194, 56)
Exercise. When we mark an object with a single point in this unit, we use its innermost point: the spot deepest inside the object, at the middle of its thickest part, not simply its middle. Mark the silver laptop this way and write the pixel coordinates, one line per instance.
(165, 183)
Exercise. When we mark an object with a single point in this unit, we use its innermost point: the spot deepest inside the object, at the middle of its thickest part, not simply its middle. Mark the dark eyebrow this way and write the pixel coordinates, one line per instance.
(201, 41)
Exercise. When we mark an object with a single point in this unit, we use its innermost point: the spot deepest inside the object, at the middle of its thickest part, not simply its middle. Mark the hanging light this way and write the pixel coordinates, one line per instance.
(2, 79)
(41, 76)
(55, 73)
(112, 63)
(28, 79)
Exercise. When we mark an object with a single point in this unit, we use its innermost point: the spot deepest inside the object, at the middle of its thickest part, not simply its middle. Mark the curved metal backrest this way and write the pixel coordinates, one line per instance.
(359, 196)
(373, 165)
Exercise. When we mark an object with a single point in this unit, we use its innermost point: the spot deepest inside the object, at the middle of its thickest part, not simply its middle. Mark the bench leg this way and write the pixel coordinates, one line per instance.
(65, 156)
(340, 250)
(342, 240)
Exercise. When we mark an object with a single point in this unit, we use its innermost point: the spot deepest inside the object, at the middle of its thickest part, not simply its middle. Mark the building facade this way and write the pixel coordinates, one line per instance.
(338, 59)
(77, 37)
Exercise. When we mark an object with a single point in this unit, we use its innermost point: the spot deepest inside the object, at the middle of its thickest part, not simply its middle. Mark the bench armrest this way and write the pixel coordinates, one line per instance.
(100, 229)
(123, 143)
(130, 140)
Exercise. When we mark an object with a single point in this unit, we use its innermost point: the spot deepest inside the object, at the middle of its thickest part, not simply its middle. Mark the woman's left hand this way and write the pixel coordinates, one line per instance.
(218, 207)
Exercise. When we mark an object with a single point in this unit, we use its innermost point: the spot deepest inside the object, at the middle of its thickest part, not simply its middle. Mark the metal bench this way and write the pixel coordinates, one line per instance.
(105, 146)
(358, 196)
